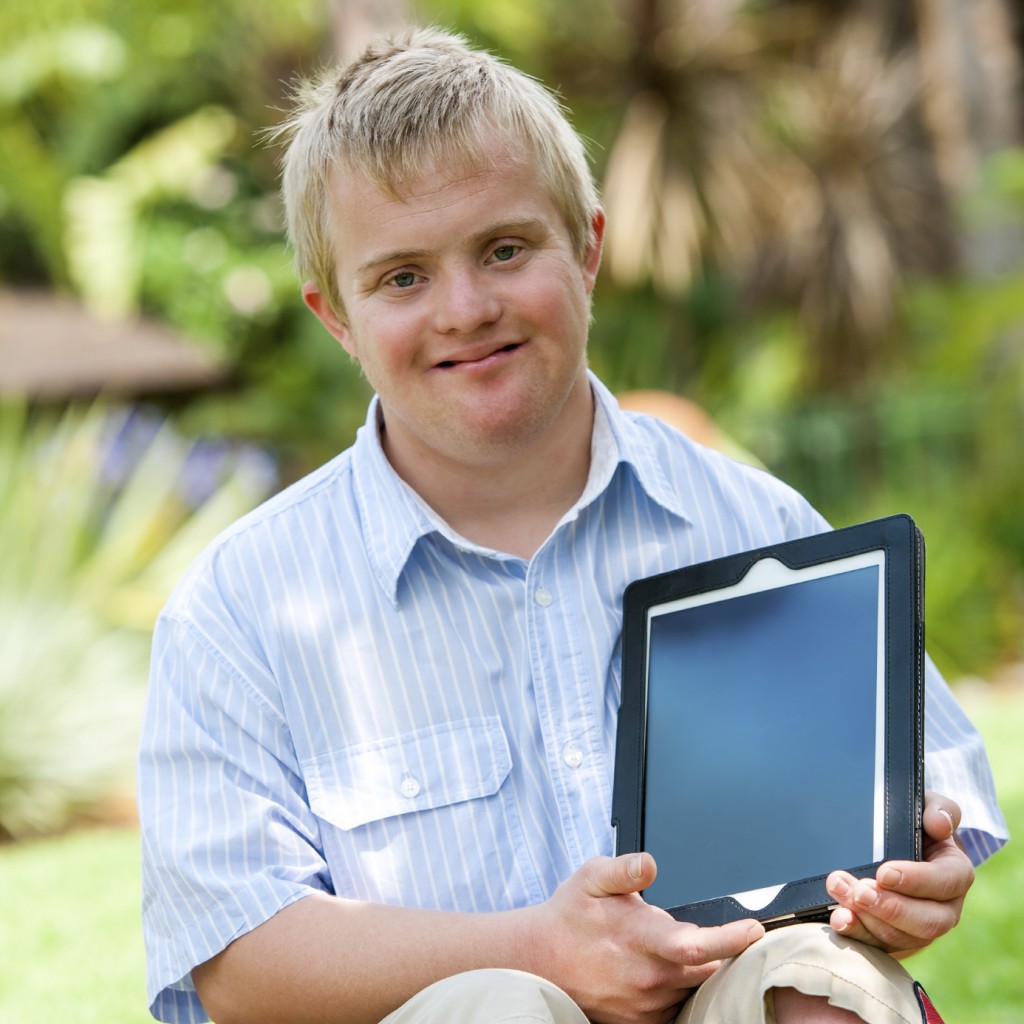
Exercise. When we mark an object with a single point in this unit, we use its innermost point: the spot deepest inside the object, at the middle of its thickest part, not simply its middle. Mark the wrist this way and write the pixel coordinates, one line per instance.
(528, 943)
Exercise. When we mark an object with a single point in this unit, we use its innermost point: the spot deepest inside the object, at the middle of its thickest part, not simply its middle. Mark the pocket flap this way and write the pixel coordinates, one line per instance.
(416, 771)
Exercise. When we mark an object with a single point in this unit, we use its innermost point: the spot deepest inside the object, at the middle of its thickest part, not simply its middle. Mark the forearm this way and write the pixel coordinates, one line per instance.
(325, 959)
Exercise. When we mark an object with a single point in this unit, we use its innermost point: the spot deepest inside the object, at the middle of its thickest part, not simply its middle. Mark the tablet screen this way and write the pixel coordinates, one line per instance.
(766, 731)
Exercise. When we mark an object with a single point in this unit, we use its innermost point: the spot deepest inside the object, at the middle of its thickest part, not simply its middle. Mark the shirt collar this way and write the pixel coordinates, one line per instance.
(394, 517)
(631, 445)
(391, 515)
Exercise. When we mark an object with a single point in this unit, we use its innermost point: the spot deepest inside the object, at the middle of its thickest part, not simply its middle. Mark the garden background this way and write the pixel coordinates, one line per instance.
(816, 234)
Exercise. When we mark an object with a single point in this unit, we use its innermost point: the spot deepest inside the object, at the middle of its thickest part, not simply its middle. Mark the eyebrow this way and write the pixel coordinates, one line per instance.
(527, 225)
(398, 256)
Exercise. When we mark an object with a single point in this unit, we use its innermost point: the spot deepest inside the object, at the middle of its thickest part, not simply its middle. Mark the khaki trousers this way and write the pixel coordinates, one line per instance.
(808, 957)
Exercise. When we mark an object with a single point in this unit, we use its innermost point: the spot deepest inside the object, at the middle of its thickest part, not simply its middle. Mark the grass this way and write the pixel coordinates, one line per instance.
(975, 974)
(70, 948)
(70, 943)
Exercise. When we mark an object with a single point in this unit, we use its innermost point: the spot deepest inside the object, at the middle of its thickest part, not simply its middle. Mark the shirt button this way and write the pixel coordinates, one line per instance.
(410, 786)
(543, 597)
(572, 755)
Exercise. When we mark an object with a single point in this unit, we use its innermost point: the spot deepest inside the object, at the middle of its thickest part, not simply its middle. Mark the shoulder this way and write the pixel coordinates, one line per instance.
(284, 530)
(713, 486)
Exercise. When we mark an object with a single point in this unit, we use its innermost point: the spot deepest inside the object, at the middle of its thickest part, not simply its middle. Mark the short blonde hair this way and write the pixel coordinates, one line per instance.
(410, 101)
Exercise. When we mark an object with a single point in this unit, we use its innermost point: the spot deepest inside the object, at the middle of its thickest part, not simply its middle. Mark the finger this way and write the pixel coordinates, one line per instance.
(854, 926)
(947, 874)
(847, 923)
(893, 920)
(921, 930)
(941, 816)
(616, 876)
(691, 946)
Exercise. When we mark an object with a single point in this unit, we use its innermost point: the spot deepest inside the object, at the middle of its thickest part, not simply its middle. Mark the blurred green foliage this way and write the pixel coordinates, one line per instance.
(940, 439)
(101, 514)
(973, 973)
(132, 175)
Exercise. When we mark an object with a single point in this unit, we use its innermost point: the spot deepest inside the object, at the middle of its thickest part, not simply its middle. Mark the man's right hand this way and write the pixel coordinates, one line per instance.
(625, 961)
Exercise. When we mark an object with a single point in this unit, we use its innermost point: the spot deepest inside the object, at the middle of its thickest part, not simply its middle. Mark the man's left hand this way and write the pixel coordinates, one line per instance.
(908, 904)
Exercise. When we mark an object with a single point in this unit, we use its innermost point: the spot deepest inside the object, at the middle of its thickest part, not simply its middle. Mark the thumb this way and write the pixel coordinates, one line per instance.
(616, 876)
(941, 816)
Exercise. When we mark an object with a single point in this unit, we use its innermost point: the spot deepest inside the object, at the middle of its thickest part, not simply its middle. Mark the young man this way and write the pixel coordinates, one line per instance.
(376, 770)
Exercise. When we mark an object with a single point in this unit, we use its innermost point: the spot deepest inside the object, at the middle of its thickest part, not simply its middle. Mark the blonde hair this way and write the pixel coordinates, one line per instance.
(410, 101)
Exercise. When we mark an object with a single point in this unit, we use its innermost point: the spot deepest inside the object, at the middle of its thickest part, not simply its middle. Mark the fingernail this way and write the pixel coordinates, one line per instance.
(842, 922)
(866, 896)
(949, 818)
(636, 867)
(840, 888)
(890, 877)
(756, 931)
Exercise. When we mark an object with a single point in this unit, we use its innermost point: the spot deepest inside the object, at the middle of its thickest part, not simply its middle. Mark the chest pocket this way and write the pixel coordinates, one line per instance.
(416, 771)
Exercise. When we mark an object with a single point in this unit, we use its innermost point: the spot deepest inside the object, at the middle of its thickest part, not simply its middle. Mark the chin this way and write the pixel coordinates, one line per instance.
(491, 444)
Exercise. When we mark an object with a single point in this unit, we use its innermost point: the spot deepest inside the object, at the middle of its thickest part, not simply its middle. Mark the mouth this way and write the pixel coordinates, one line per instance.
(484, 359)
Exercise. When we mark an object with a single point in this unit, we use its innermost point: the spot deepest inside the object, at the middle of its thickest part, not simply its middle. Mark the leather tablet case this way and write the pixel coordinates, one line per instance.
(771, 724)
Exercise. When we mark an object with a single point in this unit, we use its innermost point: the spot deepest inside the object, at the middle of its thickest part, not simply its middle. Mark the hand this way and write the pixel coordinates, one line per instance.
(908, 904)
(622, 960)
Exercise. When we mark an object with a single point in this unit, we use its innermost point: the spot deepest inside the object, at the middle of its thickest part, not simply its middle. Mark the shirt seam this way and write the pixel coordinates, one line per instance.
(214, 651)
(264, 514)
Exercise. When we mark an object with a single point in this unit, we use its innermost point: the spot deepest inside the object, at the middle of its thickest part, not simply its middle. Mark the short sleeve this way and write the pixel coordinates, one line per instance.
(957, 767)
(228, 838)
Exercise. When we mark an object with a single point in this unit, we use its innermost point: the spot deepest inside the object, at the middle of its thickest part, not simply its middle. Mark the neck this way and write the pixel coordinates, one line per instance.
(510, 502)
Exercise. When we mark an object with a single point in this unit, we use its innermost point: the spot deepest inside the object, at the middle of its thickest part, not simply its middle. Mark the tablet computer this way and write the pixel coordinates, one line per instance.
(771, 724)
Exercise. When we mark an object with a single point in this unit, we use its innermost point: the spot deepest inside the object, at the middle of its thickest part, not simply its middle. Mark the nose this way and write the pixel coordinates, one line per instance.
(465, 301)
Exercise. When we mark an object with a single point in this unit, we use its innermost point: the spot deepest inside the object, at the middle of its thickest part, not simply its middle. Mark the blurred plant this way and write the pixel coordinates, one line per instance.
(920, 447)
(130, 176)
(104, 211)
(100, 513)
(782, 146)
(940, 439)
(778, 174)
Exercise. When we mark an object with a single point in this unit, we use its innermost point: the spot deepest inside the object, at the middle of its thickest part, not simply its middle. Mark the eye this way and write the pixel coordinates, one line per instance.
(403, 279)
(504, 253)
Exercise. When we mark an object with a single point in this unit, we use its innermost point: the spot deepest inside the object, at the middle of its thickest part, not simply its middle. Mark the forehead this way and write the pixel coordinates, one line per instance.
(442, 204)
(409, 171)
(399, 162)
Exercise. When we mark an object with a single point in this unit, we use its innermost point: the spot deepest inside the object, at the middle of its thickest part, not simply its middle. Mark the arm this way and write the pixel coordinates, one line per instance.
(909, 904)
(236, 881)
(327, 959)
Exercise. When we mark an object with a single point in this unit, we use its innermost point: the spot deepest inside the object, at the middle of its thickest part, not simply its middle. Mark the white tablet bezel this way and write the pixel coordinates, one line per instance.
(770, 574)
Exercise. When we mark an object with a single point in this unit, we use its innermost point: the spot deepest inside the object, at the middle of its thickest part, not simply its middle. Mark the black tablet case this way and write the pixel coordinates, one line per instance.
(806, 898)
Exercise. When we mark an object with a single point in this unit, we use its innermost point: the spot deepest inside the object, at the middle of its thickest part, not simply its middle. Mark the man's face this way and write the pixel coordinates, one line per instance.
(466, 309)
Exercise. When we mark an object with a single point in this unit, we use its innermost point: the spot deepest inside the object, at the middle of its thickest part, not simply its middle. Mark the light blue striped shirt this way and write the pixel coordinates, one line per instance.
(347, 696)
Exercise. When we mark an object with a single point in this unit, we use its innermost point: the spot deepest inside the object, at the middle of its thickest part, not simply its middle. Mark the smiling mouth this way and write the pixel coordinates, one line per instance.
(449, 363)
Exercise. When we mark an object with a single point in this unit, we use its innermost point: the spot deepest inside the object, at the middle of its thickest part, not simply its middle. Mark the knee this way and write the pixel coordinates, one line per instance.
(812, 960)
(496, 995)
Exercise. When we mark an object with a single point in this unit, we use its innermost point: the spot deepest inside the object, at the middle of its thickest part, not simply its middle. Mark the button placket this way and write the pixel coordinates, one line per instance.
(564, 723)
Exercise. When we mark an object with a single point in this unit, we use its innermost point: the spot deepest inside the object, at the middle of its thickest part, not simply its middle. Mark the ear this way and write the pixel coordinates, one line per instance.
(592, 258)
(322, 310)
